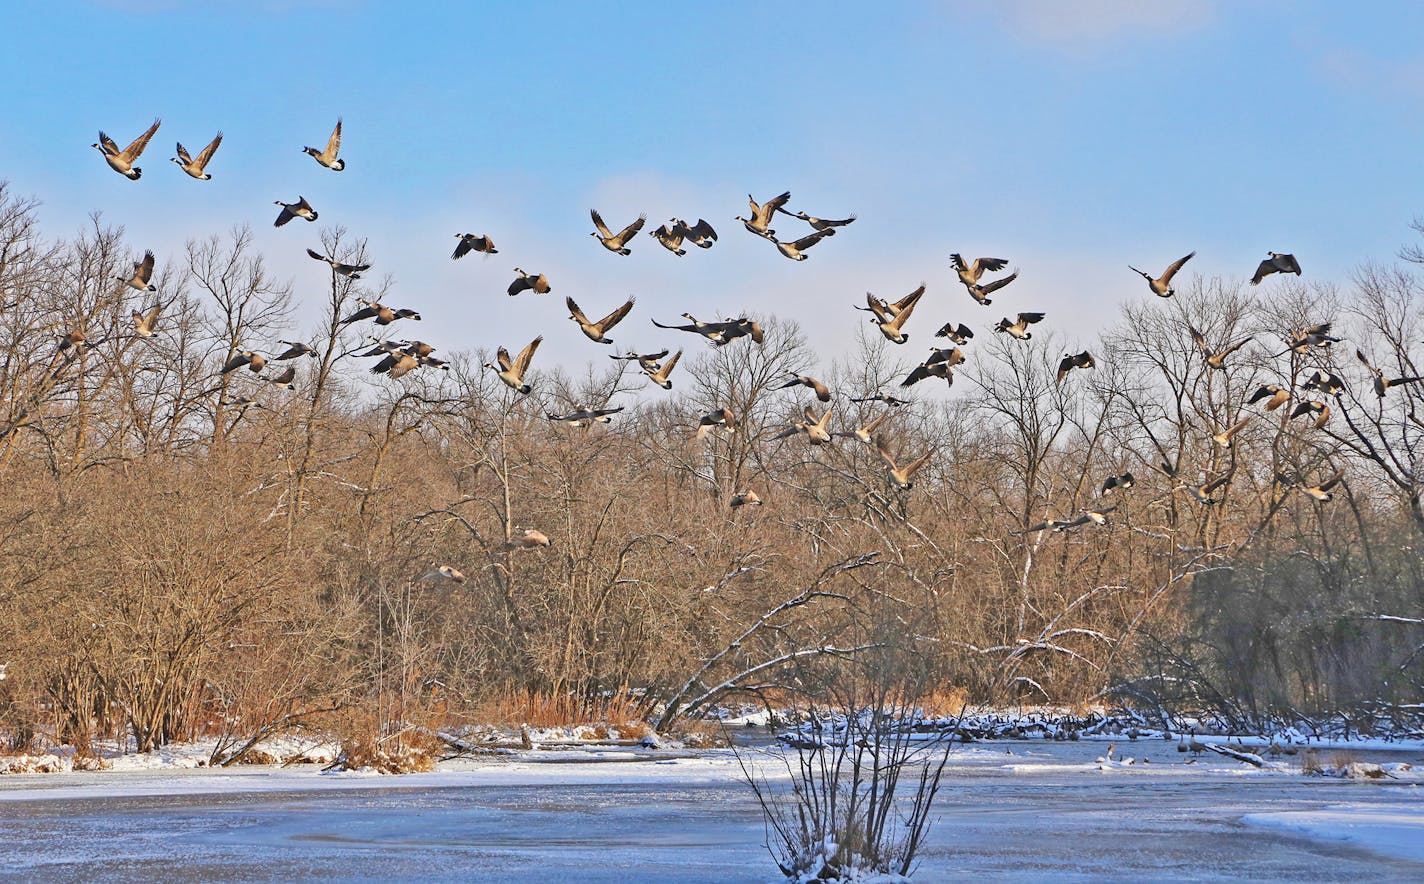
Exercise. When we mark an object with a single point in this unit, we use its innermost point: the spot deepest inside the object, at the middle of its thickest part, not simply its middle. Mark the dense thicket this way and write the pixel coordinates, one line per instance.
(186, 552)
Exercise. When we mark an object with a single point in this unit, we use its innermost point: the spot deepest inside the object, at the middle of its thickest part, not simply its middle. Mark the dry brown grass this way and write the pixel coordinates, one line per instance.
(701, 734)
(944, 702)
(515, 706)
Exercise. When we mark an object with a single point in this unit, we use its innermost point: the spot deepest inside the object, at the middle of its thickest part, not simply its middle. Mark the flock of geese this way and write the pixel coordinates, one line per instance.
(978, 276)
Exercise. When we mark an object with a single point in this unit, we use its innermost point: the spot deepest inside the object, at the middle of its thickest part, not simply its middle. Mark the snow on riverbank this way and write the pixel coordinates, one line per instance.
(1397, 831)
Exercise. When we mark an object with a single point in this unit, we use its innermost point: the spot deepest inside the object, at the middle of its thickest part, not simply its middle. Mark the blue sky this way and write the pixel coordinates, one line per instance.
(1073, 138)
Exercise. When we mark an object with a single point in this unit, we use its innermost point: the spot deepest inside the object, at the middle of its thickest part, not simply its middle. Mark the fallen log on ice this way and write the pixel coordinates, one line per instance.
(1247, 757)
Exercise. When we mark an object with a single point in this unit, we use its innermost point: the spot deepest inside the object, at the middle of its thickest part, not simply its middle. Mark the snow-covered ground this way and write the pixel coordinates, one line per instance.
(623, 813)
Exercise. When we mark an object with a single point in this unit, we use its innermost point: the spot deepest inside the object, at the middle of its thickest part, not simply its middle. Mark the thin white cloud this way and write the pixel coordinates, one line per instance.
(1087, 25)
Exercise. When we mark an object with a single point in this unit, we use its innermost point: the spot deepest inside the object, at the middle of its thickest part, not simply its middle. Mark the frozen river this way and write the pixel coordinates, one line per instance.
(1007, 810)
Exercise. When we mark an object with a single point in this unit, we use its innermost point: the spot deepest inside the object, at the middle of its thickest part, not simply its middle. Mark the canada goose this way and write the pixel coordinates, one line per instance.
(1322, 491)
(1019, 328)
(468, 242)
(646, 361)
(1162, 285)
(890, 325)
(285, 380)
(883, 397)
(1223, 438)
(879, 306)
(961, 334)
(382, 347)
(1055, 525)
(794, 249)
(866, 434)
(122, 161)
(595, 331)
(295, 349)
(1215, 359)
(1113, 483)
(700, 234)
(397, 364)
(512, 373)
(658, 374)
(981, 293)
(814, 427)
(528, 538)
(242, 402)
(354, 271)
(1096, 517)
(1070, 361)
(817, 223)
(1382, 383)
(744, 498)
(1278, 396)
(381, 313)
(255, 362)
(420, 349)
(1302, 339)
(195, 167)
(970, 273)
(537, 282)
(742, 327)
(327, 157)
(722, 417)
(73, 339)
(142, 273)
(1202, 493)
(1276, 263)
(670, 236)
(616, 242)
(901, 476)
(1325, 382)
(709, 330)
(443, 572)
(804, 380)
(761, 215)
(1313, 406)
(143, 322)
(299, 209)
(940, 364)
(583, 416)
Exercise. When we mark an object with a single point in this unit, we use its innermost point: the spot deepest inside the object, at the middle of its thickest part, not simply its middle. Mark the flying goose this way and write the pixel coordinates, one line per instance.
(1325, 382)
(468, 242)
(879, 306)
(1322, 491)
(866, 434)
(700, 234)
(970, 273)
(616, 242)
(1070, 361)
(1058, 526)
(794, 249)
(1276, 263)
(539, 283)
(285, 380)
(75, 339)
(658, 374)
(443, 572)
(760, 218)
(722, 417)
(744, 498)
(1382, 383)
(981, 293)
(354, 271)
(255, 362)
(1019, 328)
(382, 347)
(596, 331)
(1302, 339)
(1162, 285)
(1202, 493)
(528, 538)
(708, 330)
(1216, 359)
(1223, 438)
(1313, 406)
(901, 476)
(327, 157)
(381, 313)
(940, 364)
(299, 209)
(804, 380)
(670, 235)
(1055, 525)
(1113, 483)
(143, 322)
(646, 361)
(883, 397)
(959, 335)
(142, 273)
(741, 327)
(397, 363)
(583, 416)
(295, 349)
(817, 223)
(122, 161)
(195, 167)
(512, 373)
(1277, 396)
(890, 325)
(814, 427)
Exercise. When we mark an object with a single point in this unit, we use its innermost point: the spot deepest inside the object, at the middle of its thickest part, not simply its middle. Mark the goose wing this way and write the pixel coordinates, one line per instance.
(882, 449)
(1263, 270)
(910, 299)
(616, 316)
(333, 144)
(771, 205)
(1366, 362)
(143, 270)
(136, 148)
(317, 256)
(991, 287)
(207, 152)
(463, 247)
(1176, 265)
(577, 313)
(183, 156)
(877, 308)
(631, 230)
(702, 234)
(110, 147)
(520, 284)
(914, 465)
(666, 368)
(522, 363)
(806, 242)
(285, 377)
(1200, 340)
(603, 231)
